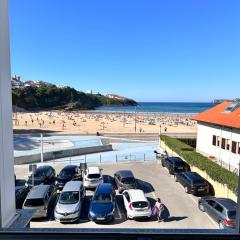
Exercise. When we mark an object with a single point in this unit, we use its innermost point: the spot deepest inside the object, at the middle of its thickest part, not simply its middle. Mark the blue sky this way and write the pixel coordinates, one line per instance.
(149, 50)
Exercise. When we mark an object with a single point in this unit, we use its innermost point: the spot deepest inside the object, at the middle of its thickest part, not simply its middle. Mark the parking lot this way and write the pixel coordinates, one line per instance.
(181, 209)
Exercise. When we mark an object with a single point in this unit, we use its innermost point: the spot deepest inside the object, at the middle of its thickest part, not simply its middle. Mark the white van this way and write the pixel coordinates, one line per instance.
(69, 204)
(92, 177)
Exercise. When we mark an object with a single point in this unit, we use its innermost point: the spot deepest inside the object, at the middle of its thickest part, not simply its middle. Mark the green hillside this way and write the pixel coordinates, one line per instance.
(53, 97)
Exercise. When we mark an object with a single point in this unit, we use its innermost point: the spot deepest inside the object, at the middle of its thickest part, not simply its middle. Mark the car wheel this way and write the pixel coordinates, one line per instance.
(201, 207)
(186, 189)
(221, 225)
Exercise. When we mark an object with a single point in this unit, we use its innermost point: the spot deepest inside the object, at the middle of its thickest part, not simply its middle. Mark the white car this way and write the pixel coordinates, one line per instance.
(69, 204)
(92, 177)
(136, 204)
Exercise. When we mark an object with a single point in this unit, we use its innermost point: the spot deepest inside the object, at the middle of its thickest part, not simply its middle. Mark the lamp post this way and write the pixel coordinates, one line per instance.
(238, 202)
(135, 124)
(160, 132)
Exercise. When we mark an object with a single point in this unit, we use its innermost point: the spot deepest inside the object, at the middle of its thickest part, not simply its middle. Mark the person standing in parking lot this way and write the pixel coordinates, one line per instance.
(160, 207)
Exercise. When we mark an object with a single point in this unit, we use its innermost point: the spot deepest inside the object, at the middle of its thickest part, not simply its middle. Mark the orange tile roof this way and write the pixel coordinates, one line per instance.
(216, 115)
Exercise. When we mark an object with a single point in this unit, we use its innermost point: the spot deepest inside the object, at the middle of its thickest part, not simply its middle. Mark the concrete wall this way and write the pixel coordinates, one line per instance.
(221, 190)
(61, 154)
(205, 146)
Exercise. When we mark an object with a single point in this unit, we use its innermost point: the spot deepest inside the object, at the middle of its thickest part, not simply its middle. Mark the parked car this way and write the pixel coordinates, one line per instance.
(193, 183)
(20, 195)
(103, 203)
(125, 180)
(43, 175)
(92, 177)
(175, 165)
(222, 210)
(39, 198)
(136, 204)
(69, 204)
(68, 173)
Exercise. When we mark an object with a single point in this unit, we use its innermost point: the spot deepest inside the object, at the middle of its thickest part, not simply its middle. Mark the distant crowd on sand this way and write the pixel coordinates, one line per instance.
(89, 122)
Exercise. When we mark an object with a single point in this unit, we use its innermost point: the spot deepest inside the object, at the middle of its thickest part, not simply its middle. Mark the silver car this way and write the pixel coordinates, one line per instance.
(39, 198)
(69, 204)
(222, 210)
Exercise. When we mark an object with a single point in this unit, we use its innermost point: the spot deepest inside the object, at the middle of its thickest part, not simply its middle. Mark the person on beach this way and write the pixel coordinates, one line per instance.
(160, 207)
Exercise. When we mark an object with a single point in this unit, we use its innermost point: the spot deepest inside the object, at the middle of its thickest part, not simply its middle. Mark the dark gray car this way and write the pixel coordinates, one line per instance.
(125, 180)
(222, 210)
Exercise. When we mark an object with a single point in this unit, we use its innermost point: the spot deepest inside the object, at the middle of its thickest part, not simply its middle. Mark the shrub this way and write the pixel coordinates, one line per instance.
(215, 171)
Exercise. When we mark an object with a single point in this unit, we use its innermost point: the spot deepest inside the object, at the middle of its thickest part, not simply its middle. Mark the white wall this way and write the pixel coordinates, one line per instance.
(7, 185)
(204, 142)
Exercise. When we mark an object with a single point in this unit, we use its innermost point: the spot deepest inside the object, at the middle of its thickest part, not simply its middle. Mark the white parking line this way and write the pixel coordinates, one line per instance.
(119, 213)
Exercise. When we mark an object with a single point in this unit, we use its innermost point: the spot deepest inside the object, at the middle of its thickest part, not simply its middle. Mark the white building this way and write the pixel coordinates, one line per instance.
(218, 134)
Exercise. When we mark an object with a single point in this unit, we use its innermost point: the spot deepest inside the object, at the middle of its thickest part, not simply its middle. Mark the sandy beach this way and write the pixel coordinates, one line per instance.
(103, 122)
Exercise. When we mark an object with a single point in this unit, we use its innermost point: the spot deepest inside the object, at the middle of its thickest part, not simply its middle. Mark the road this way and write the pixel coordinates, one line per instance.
(155, 180)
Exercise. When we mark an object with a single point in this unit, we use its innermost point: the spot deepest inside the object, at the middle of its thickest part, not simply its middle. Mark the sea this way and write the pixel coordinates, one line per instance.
(161, 107)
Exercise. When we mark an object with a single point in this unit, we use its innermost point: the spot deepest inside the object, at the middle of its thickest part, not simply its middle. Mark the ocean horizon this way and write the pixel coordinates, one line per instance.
(161, 107)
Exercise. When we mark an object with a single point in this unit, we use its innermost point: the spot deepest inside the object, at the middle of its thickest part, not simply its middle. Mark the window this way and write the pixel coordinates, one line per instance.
(214, 140)
(219, 208)
(239, 148)
(228, 144)
(234, 147)
(218, 141)
(223, 145)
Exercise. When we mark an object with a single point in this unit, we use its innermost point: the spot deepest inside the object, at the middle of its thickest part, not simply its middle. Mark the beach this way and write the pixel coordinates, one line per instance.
(93, 122)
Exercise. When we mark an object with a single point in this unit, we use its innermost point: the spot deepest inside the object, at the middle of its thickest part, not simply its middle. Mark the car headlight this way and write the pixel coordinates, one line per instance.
(74, 212)
(111, 213)
(56, 182)
(26, 184)
(91, 213)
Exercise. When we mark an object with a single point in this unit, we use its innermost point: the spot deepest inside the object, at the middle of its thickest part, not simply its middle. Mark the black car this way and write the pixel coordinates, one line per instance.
(175, 165)
(68, 173)
(193, 183)
(103, 203)
(21, 192)
(125, 180)
(42, 175)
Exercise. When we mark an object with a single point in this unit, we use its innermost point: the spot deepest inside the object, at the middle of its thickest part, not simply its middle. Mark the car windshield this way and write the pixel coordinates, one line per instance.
(102, 198)
(67, 173)
(96, 175)
(129, 180)
(232, 214)
(198, 181)
(69, 197)
(39, 174)
(140, 204)
(34, 202)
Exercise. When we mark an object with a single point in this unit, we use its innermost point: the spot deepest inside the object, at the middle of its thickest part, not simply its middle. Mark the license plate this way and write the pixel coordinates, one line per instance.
(180, 168)
(100, 218)
(139, 210)
(201, 189)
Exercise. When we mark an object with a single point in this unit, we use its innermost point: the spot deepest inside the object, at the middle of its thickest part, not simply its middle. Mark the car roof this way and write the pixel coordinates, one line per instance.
(72, 186)
(175, 159)
(227, 203)
(104, 188)
(136, 195)
(125, 173)
(38, 191)
(194, 176)
(70, 167)
(43, 167)
(93, 170)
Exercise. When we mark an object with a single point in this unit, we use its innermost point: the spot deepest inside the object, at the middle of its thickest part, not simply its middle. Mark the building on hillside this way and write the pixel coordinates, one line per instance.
(29, 83)
(110, 95)
(16, 82)
(218, 135)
